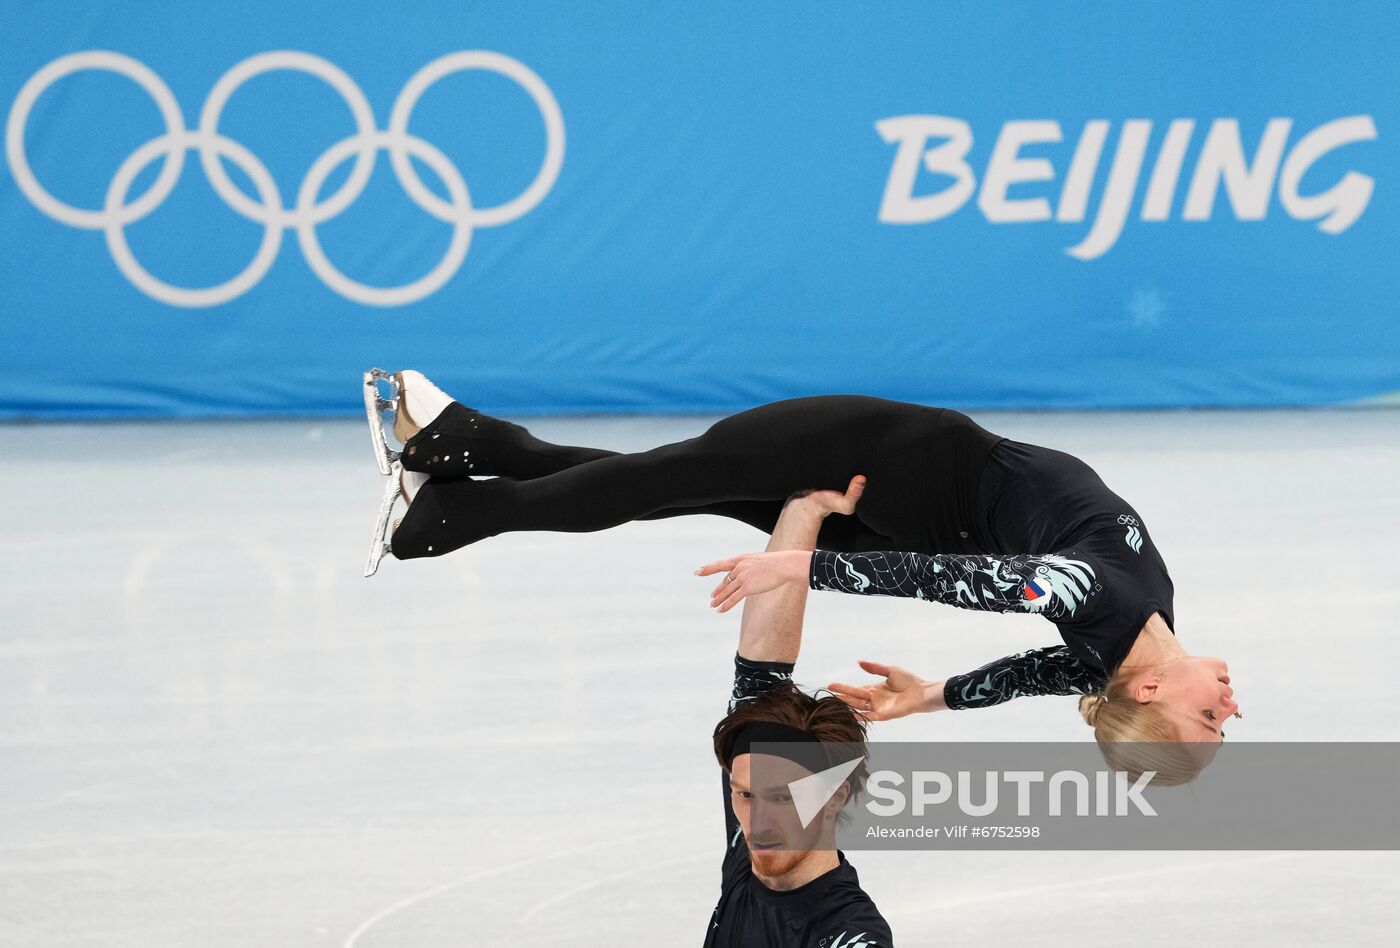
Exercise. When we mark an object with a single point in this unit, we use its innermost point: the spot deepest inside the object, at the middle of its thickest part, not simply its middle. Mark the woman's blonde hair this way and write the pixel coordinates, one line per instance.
(1136, 736)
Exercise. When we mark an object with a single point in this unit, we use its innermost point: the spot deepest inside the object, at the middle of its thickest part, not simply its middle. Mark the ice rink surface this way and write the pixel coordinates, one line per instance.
(214, 732)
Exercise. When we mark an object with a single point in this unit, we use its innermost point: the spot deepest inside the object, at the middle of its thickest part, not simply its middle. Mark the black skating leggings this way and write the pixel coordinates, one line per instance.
(922, 464)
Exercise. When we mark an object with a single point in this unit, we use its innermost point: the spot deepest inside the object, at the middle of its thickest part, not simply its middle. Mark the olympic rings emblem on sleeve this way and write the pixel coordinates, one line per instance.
(270, 210)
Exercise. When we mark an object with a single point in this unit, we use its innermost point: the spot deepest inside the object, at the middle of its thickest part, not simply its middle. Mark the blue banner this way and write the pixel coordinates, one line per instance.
(234, 209)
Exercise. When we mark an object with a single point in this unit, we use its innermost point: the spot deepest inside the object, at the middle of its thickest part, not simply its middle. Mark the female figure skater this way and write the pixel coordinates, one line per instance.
(977, 520)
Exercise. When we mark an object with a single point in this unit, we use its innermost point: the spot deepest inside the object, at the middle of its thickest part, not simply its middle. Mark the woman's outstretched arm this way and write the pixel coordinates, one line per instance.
(1042, 671)
(1054, 670)
(1051, 585)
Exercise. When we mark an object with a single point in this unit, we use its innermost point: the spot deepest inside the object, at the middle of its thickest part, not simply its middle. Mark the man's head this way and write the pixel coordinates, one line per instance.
(778, 842)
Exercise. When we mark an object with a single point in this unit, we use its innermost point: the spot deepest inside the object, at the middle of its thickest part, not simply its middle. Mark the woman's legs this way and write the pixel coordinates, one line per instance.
(762, 455)
(462, 442)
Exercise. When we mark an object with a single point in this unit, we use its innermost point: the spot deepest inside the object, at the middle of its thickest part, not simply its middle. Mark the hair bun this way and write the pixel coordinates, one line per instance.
(1090, 705)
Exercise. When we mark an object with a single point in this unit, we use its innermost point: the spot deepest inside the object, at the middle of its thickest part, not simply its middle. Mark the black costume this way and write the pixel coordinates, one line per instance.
(831, 911)
(980, 521)
(1087, 565)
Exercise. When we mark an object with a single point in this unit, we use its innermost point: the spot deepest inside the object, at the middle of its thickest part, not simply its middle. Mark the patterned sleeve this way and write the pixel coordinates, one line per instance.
(752, 679)
(1051, 585)
(1041, 671)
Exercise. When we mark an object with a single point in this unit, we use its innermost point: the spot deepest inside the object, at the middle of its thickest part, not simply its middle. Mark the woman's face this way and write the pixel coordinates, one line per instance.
(1195, 691)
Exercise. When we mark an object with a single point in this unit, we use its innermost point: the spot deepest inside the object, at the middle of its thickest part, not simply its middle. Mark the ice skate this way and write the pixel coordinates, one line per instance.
(403, 484)
(414, 402)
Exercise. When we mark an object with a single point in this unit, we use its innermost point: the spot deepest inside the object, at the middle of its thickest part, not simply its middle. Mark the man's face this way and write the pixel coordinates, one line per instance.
(777, 841)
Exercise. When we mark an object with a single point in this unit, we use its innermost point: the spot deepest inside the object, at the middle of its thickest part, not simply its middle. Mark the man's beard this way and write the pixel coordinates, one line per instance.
(776, 862)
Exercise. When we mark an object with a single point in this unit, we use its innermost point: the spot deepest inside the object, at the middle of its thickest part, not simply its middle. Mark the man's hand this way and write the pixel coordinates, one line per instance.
(751, 574)
(825, 502)
(902, 692)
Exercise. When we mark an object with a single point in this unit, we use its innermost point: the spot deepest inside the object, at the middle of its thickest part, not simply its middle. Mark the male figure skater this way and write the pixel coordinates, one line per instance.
(774, 892)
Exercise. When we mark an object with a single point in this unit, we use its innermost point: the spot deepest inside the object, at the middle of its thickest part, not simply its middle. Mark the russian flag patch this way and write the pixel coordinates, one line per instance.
(1037, 589)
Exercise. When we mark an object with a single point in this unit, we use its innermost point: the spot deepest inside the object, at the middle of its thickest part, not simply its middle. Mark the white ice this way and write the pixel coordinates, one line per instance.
(213, 732)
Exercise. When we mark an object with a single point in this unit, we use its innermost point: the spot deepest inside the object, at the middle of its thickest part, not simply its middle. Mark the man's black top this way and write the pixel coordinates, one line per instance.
(831, 911)
(1061, 545)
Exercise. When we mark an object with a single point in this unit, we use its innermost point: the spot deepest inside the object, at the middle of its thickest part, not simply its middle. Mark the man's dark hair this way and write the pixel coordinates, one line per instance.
(828, 719)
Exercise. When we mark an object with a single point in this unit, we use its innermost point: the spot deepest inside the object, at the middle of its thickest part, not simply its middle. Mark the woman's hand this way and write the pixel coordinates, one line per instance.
(902, 692)
(752, 573)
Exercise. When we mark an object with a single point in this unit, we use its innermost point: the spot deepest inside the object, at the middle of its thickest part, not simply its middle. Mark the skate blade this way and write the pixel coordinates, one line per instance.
(378, 541)
(375, 406)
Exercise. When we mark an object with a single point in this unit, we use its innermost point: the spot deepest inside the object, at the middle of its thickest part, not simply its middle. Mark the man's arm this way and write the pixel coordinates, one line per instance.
(771, 627)
(770, 631)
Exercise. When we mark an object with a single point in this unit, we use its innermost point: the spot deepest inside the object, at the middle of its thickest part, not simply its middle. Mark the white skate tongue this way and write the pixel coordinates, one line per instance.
(410, 483)
(423, 400)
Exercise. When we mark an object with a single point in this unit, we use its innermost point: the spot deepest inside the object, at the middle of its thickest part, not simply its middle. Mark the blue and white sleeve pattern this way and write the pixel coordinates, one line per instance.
(1051, 585)
(1041, 671)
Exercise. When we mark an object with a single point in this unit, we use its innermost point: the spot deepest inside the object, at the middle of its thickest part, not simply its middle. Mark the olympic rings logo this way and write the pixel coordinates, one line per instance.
(269, 210)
